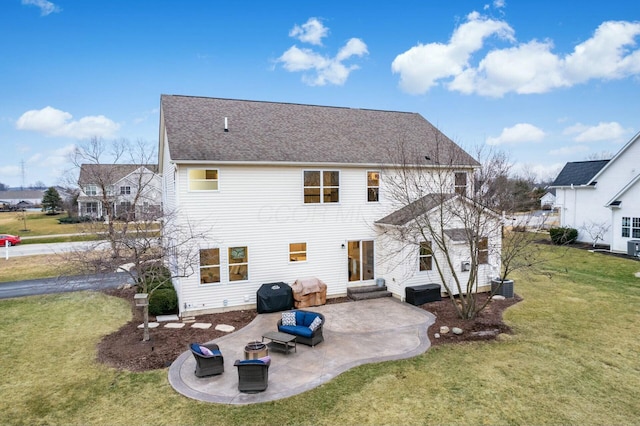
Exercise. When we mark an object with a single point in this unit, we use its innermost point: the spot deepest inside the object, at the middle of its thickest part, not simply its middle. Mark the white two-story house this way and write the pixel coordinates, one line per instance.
(600, 198)
(132, 191)
(289, 191)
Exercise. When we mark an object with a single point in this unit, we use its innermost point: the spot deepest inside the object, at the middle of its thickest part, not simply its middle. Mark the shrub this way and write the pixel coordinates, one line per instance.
(163, 301)
(155, 276)
(563, 235)
(78, 219)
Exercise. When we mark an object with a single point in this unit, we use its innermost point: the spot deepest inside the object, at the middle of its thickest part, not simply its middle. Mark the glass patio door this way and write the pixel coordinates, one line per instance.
(360, 257)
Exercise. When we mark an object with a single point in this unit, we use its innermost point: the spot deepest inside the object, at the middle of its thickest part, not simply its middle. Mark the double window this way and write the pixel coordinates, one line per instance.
(321, 186)
(631, 227)
(425, 256)
(373, 186)
(203, 179)
(125, 190)
(90, 208)
(91, 190)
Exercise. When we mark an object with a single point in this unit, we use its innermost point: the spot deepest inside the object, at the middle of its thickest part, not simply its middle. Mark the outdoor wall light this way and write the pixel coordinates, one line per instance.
(343, 246)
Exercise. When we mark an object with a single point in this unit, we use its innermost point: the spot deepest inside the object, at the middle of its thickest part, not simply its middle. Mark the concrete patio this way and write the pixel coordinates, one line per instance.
(355, 333)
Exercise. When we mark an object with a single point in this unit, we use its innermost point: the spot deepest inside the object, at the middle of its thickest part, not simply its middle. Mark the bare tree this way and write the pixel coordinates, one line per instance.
(446, 216)
(596, 230)
(139, 240)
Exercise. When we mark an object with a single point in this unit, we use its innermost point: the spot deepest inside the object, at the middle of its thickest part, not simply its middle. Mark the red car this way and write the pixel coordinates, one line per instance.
(13, 240)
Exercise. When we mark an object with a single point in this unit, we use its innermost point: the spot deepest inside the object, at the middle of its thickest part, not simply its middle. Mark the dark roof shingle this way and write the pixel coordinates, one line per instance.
(578, 173)
(281, 132)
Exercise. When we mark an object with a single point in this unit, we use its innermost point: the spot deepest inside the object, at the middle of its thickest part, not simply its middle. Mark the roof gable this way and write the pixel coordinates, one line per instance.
(578, 173)
(227, 130)
(417, 208)
(109, 174)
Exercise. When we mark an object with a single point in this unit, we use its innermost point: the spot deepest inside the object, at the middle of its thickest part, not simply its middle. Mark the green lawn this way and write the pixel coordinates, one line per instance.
(573, 359)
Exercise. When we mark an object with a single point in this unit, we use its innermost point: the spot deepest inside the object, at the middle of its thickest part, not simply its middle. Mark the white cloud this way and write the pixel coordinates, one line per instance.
(46, 7)
(311, 32)
(323, 69)
(525, 68)
(520, 133)
(422, 66)
(568, 151)
(612, 132)
(53, 122)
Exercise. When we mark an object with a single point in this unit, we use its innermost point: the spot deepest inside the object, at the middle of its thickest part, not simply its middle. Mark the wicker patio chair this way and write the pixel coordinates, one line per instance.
(207, 365)
(253, 375)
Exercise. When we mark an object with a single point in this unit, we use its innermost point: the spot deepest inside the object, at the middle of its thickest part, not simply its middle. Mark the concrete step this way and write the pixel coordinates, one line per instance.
(368, 292)
(366, 289)
(370, 295)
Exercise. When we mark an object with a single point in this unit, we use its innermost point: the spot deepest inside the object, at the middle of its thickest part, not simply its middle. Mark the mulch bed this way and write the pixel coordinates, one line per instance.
(124, 349)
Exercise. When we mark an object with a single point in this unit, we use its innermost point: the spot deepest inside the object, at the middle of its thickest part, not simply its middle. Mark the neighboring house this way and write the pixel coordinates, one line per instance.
(601, 197)
(290, 191)
(131, 190)
(22, 198)
(548, 200)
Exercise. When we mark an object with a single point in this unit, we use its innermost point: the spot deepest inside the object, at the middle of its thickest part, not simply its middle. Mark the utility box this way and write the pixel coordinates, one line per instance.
(505, 290)
(633, 248)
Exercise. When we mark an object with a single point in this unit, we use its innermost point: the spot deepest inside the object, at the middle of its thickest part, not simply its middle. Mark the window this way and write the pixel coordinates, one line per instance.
(460, 183)
(373, 186)
(203, 180)
(90, 208)
(483, 251)
(91, 190)
(631, 227)
(125, 190)
(425, 256)
(321, 186)
(297, 252)
(209, 266)
(238, 263)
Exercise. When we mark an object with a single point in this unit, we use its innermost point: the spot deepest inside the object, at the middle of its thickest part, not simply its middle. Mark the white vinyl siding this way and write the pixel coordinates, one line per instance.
(249, 212)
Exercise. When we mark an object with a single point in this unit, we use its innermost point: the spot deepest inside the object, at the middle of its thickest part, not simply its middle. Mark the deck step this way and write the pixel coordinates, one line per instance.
(368, 292)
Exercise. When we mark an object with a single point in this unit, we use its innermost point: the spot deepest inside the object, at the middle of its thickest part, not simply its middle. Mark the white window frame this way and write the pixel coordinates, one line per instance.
(321, 187)
(632, 227)
(293, 253)
(461, 189)
(483, 251)
(213, 265)
(237, 265)
(425, 256)
(215, 181)
(371, 187)
(125, 190)
(91, 190)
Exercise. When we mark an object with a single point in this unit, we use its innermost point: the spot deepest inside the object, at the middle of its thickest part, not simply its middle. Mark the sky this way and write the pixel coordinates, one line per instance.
(545, 82)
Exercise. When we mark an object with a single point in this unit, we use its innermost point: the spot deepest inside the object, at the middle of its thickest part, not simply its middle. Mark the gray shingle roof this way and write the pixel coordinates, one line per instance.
(415, 209)
(280, 132)
(579, 172)
(108, 173)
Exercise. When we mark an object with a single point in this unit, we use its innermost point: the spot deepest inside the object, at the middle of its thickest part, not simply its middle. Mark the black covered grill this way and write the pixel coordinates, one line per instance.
(274, 297)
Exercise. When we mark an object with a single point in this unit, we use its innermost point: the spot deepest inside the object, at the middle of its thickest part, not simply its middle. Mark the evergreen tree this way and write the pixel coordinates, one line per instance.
(51, 201)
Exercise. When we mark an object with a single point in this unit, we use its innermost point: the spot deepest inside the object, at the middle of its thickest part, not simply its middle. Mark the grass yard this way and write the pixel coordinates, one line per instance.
(37, 224)
(573, 359)
(18, 268)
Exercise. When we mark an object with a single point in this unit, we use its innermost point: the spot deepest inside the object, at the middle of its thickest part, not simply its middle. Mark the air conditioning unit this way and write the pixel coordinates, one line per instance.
(633, 248)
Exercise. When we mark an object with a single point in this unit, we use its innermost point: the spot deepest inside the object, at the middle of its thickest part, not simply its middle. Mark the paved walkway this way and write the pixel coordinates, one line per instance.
(355, 333)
